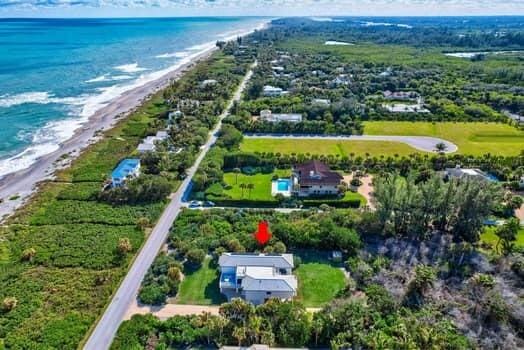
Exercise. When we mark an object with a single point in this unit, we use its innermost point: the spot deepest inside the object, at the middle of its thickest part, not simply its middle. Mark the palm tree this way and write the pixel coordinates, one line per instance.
(242, 187)
(240, 334)
(441, 147)
(236, 171)
(250, 187)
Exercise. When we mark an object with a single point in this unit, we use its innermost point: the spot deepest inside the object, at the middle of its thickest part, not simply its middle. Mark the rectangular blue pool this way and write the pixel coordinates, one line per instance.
(283, 185)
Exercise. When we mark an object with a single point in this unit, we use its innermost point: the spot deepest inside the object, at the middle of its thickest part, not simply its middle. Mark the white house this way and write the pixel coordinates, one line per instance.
(149, 143)
(257, 277)
(271, 91)
(267, 115)
(208, 82)
(315, 179)
(460, 173)
(127, 169)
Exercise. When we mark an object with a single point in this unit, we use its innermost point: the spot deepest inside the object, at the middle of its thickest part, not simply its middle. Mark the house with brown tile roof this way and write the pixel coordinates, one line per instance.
(315, 178)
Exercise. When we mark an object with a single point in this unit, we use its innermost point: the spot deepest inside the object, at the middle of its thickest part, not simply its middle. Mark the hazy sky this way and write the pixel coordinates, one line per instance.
(111, 8)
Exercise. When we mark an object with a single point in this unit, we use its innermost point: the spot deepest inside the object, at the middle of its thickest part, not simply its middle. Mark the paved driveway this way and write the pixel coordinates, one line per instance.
(422, 143)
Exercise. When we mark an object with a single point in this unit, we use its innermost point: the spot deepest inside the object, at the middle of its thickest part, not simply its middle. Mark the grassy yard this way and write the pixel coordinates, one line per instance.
(262, 183)
(471, 138)
(327, 147)
(489, 237)
(318, 281)
(200, 287)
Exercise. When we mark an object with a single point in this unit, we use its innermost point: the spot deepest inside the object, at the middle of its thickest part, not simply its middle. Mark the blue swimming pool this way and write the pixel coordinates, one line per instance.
(283, 185)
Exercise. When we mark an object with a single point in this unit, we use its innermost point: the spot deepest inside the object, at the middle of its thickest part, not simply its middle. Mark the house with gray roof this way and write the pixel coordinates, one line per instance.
(257, 277)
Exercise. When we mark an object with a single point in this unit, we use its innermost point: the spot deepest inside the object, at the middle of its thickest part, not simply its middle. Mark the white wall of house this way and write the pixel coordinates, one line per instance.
(318, 190)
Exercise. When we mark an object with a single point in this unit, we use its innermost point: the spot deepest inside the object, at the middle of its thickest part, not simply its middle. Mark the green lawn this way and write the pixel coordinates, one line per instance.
(471, 138)
(200, 287)
(489, 237)
(262, 182)
(318, 281)
(326, 147)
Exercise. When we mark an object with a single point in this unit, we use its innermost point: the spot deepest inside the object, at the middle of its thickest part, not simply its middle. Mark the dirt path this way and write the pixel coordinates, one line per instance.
(169, 310)
(519, 213)
(365, 190)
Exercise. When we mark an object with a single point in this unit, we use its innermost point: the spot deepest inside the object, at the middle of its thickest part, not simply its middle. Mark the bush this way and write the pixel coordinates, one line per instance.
(144, 189)
(195, 257)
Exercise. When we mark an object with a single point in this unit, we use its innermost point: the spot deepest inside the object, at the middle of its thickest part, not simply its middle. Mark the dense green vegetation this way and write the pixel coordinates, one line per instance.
(337, 87)
(372, 322)
(63, 254)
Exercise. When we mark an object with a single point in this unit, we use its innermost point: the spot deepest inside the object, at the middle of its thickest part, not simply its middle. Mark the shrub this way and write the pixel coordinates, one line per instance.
(124, 245)
(9, 303)
(195, 257)
(28, 254)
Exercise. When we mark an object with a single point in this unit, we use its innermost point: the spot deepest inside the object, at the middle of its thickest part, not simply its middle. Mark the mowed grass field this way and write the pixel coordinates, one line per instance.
(327, 147)
(201, 287)
(261, 183)
(318, 280)
(471, 138)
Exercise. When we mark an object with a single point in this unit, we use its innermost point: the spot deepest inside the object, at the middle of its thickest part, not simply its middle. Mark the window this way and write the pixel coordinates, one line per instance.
(268, 293)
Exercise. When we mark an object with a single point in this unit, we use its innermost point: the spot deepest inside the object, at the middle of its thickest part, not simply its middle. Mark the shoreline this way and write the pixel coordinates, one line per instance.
(17, 187)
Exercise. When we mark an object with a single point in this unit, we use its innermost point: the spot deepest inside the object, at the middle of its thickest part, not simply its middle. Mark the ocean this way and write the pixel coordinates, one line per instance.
(55, 73)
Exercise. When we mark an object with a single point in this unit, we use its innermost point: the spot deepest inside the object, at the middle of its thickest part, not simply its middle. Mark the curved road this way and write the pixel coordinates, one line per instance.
(107, 326)
(422, 143)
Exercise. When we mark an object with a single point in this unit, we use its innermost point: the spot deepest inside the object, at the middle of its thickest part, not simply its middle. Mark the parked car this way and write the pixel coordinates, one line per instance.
(209, 204)
(194, 204)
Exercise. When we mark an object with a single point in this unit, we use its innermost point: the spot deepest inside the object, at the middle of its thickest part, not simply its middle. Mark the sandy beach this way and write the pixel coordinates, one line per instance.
(17, 187)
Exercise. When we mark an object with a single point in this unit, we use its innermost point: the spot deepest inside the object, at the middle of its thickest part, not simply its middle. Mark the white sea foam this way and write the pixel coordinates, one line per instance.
(48, 139)
(7, 101)
(107, 77)
(180, 54)
(97, 79)
(130, 68)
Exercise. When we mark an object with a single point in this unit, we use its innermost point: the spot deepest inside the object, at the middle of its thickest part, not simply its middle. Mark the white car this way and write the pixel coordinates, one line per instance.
(194, 204)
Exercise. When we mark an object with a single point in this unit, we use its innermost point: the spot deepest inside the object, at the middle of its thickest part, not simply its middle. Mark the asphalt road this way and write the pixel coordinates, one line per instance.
(422, 143)
(104, 332)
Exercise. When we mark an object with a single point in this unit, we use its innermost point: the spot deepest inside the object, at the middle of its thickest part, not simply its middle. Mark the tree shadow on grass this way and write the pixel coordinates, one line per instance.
(212, 292)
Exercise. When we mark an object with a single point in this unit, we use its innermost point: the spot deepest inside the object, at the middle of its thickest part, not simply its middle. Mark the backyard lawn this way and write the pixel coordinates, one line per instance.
(200, 287)
(471, 138)
(326, 147)
(261, 182)
(318, 281)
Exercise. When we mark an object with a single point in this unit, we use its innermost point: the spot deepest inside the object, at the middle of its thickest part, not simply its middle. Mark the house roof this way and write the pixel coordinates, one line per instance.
(282, 261)
(125, 167)
(316, 173)
(276, 283)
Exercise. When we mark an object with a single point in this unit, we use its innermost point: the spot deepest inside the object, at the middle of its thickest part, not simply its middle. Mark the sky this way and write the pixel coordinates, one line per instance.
(167, 8)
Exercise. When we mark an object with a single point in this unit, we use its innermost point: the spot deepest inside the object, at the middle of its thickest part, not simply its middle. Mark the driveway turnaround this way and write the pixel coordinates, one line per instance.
(422, 143)
(107, 326)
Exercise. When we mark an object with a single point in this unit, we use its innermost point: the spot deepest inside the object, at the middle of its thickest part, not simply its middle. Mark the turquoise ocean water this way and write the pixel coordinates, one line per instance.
(55, 73)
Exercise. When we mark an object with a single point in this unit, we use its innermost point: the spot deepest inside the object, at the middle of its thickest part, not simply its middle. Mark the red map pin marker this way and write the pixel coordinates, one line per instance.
(262, 235)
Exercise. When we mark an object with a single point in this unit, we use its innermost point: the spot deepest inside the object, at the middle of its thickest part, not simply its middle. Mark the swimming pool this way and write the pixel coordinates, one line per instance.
(283, 185)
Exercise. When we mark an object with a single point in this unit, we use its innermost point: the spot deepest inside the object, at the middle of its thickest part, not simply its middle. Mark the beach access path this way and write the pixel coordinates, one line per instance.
(422, 143)
(16, 187)
(106, 328)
